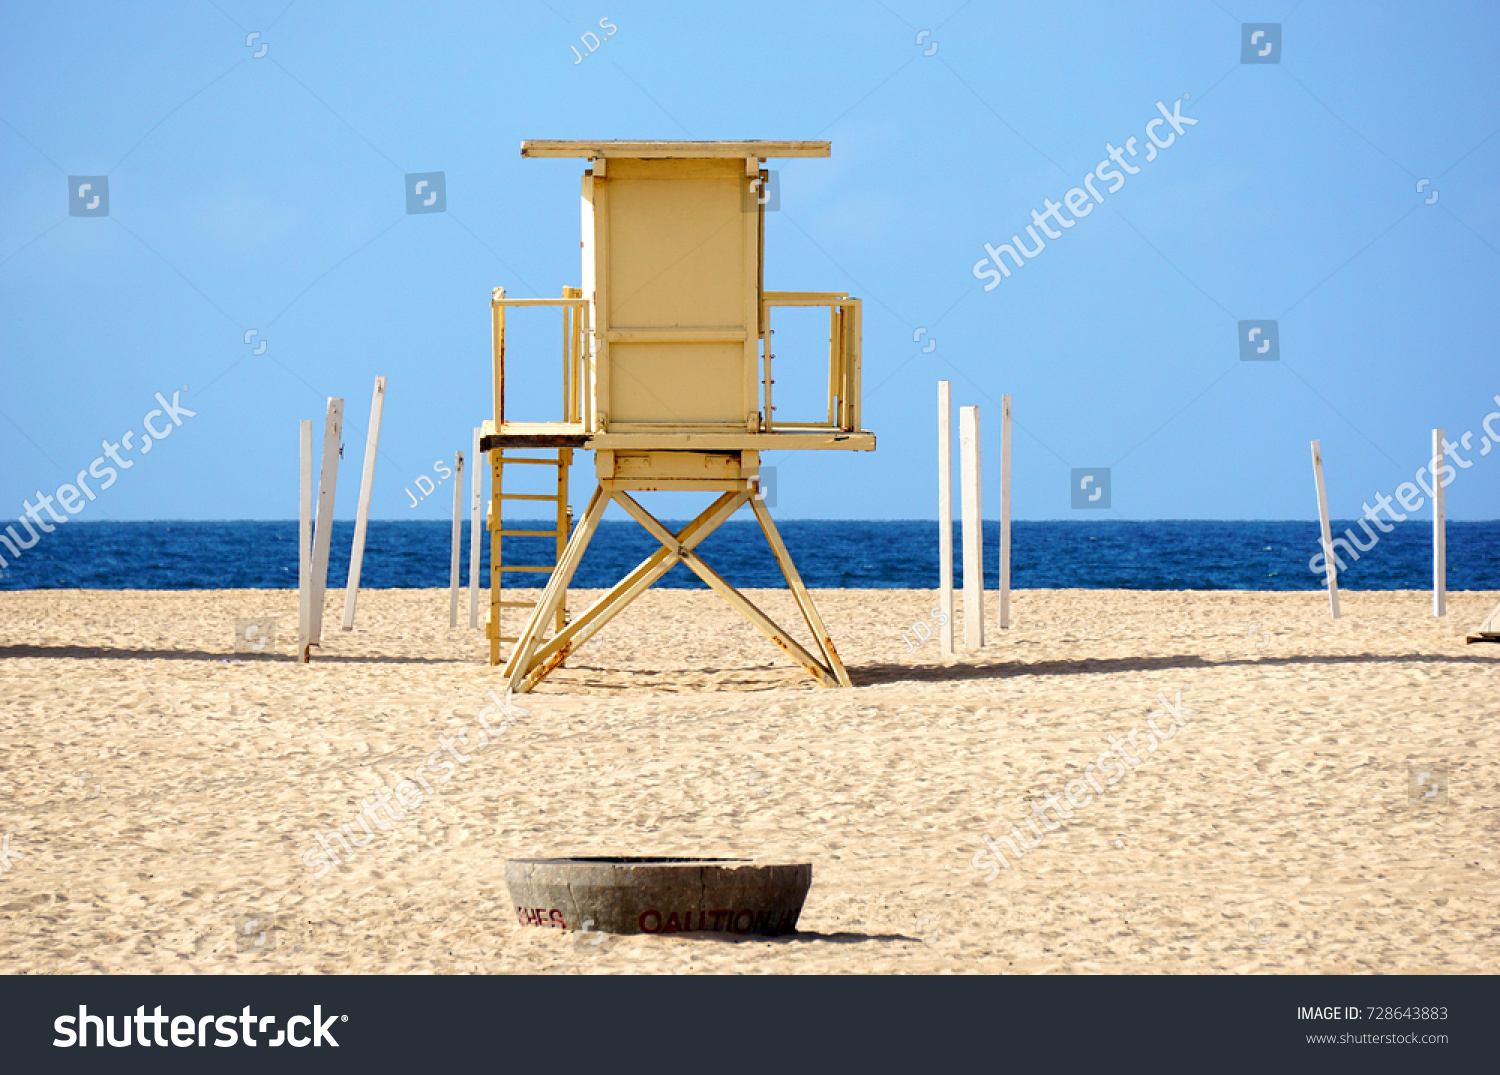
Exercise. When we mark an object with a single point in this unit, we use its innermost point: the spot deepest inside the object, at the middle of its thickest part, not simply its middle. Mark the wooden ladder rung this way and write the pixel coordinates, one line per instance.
(529, 496)
(536, 462)
(512, 567)
(530, 533)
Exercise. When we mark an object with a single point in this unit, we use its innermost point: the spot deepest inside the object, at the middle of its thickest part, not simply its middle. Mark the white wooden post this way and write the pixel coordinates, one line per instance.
(1004, 511)
(458, 532)
(973, 521)
(476, 514)
(304, 548)
(328, 478)
(945, 518)
(1439, 530)
(362, 514)
(1328, 560)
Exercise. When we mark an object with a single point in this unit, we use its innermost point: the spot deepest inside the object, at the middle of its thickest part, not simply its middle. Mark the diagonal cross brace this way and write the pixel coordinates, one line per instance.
(522, 674)
(741, 603)
(533, 659)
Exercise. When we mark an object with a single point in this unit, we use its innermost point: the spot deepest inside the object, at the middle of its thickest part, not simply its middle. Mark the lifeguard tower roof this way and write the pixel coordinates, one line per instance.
(550, 147)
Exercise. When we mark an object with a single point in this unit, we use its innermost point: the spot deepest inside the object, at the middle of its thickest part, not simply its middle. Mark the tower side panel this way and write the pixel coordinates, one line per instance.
(678, 300)
(593, 405)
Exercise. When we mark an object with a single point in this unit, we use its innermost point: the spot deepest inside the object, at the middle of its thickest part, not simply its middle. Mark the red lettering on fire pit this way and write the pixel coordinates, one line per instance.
(550, 917)
(745, 920)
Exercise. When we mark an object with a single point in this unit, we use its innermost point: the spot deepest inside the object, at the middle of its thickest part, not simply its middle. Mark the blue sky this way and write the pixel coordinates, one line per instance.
(266, 193)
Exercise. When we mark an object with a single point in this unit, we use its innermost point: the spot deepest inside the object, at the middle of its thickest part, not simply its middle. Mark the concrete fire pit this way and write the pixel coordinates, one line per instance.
(659, 895)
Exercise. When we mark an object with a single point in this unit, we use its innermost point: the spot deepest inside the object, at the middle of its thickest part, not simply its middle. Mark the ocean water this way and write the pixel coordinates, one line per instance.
(1161, 555)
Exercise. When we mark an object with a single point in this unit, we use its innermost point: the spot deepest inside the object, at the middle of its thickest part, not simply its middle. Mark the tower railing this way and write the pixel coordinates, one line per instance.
(577, 388)
(579, 382)
(843, 358)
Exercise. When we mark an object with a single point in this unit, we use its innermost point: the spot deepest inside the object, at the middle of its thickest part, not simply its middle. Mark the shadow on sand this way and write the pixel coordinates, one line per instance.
(107, 653)
(800, 937)
(872, 674)
(866, 675)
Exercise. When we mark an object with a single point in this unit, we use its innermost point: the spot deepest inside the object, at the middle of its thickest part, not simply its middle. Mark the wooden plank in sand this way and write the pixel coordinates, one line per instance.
(458, 532)
(945, 518)
(476, 511)
(362, 515)
(1328, 556)
(1004, 511)
(973, 522)
(1439, 530)
(333, 430)
(304, 548)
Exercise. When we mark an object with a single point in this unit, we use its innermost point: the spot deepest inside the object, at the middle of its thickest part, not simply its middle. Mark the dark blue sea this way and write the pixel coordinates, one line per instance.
(1172, 555)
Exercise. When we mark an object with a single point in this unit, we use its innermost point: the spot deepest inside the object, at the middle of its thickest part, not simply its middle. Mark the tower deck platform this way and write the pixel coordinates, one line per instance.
(572, 435)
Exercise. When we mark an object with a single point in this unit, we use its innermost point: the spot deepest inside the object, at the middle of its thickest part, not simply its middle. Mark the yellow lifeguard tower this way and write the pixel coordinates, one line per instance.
(667, 378)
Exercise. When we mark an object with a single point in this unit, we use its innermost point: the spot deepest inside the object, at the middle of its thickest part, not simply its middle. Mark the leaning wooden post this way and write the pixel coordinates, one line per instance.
(458, 532)
(945, 518)
(1004, 511)
(362, 515)
(973, 521)
(1439, 530)
(1328, 557)
(328, 478)
(304, 548)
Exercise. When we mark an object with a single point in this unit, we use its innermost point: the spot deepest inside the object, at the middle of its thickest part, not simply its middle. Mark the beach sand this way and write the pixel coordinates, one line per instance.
(161, 787)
